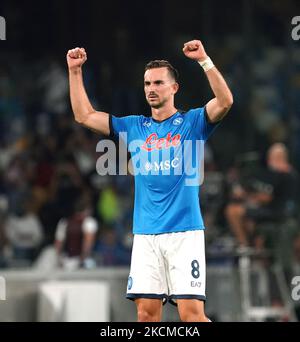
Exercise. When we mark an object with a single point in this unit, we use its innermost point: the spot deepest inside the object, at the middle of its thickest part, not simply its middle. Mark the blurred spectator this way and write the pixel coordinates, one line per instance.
(24, 233)
(55, 85)
(110, 250)
(12, 119)
(270, 195)
(75, 236)
(108, 205)
(212, 194)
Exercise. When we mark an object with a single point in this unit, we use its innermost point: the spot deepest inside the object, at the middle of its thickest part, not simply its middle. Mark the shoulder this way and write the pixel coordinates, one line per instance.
(140, 117)
(193, 113)
(62, 223)
(198, 110)
(119, 124)
(89, 225)
(128, 117)
(126, 120)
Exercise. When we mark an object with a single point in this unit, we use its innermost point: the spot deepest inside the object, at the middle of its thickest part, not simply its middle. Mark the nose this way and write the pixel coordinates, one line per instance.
(151, 88)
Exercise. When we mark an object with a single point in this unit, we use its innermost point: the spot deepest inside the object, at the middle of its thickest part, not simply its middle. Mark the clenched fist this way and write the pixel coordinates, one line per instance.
(76, 57)
(194, 50)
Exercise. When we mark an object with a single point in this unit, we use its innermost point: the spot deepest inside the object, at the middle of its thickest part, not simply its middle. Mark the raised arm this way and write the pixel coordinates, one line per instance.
(217, 107)
(84, 112)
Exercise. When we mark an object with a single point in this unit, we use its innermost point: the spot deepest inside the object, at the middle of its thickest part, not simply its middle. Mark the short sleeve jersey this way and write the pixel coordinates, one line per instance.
(167, 158)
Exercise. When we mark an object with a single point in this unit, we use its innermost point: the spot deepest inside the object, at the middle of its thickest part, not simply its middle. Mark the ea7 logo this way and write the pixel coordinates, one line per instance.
(195, 283)
(296, 289)
(2, 28)
(296, 30)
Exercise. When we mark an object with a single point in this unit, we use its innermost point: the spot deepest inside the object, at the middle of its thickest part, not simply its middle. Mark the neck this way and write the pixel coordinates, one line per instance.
(163, 113)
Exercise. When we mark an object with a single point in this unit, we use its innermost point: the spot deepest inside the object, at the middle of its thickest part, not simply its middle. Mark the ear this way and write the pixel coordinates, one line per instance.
(175, 87)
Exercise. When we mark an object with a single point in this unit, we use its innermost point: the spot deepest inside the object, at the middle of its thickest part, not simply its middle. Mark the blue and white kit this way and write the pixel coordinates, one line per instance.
(166, 163)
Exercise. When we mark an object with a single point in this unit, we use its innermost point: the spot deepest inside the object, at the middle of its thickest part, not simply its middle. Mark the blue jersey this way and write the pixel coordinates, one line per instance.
(167, 157)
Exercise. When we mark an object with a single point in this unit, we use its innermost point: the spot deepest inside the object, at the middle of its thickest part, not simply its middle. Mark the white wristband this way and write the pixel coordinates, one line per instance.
(206, 64)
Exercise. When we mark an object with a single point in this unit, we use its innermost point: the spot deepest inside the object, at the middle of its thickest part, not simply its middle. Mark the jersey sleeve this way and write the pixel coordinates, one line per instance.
(124, 124)
(201, 126)
(61, 230)
(89, 225)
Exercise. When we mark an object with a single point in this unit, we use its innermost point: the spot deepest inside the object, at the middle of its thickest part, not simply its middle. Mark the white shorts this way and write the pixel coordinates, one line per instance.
(168, 266)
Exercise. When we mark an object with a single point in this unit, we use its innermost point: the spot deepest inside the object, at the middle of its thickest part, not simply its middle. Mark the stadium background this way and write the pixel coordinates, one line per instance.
(48, 162)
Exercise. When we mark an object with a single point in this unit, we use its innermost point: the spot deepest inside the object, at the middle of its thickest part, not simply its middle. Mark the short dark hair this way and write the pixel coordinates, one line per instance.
(163, 64)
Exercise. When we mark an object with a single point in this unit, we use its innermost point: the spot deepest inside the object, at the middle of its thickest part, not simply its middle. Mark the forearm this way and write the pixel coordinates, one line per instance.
(220, 105)
(219, 87)
(80, 102)
(58, 246)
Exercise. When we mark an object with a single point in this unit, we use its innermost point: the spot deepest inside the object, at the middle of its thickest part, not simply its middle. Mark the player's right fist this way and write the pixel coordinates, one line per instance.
(76, 57)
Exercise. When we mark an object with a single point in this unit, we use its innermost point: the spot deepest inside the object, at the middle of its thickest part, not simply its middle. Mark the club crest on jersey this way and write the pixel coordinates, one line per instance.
(177, 121)
(153, 143)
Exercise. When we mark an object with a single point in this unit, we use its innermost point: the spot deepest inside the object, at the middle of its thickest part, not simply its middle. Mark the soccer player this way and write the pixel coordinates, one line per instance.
(168, 256)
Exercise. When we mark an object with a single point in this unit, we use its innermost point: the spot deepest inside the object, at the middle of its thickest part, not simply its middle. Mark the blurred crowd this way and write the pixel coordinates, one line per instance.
(48, 178)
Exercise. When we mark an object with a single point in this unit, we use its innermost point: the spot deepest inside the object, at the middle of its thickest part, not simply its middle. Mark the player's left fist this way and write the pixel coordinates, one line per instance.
(194, 50)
